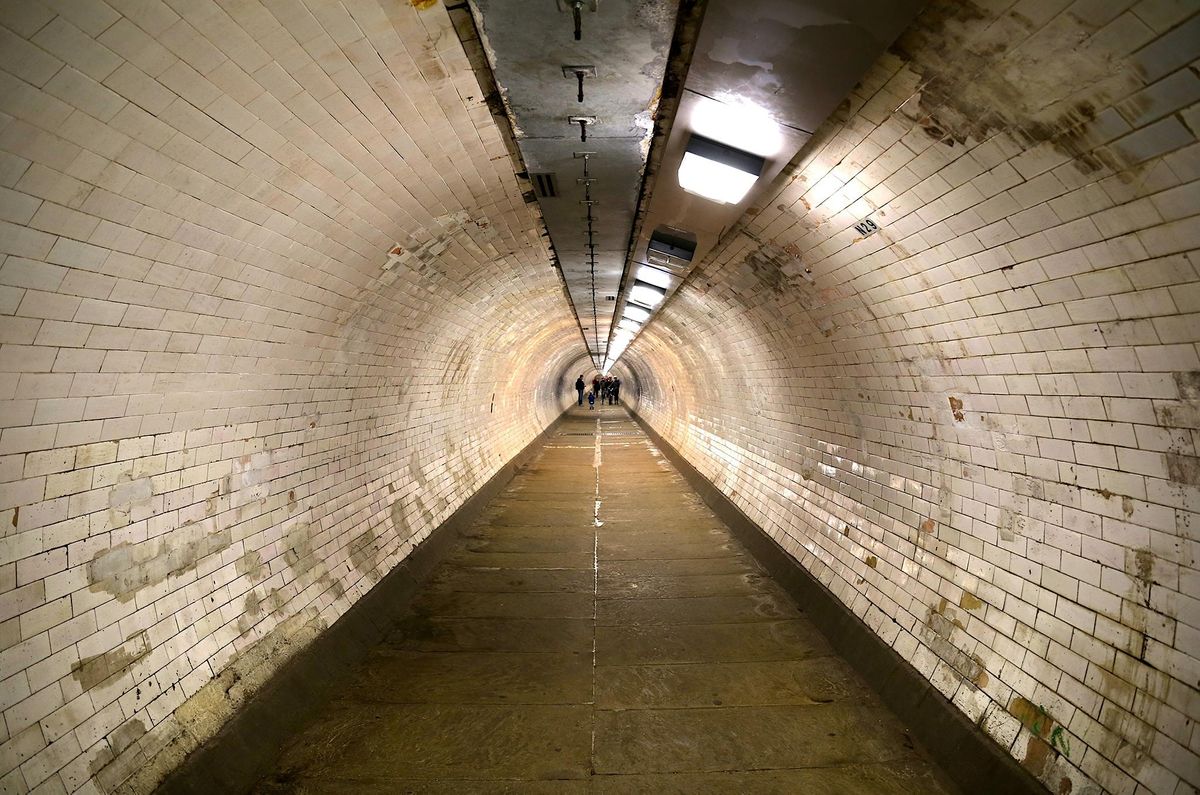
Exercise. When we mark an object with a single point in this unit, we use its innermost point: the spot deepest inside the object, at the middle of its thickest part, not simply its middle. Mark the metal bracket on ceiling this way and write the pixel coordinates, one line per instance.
(584, 122)
(579, 72)
(576, 9)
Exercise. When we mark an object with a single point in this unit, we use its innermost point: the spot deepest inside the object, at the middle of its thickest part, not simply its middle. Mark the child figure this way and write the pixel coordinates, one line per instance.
(591, 400)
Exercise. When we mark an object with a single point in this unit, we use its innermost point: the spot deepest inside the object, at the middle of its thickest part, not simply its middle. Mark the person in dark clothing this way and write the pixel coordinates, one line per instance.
(591, 401)
(616, 390)
(579, 387)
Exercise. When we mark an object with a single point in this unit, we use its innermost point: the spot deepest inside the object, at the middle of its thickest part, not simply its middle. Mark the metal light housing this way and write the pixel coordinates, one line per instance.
(718, 172)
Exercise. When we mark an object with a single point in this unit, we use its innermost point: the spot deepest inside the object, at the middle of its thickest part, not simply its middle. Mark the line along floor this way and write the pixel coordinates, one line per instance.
(598, 629)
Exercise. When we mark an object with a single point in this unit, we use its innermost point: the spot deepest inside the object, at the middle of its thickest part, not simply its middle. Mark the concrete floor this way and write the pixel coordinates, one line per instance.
(599, 630)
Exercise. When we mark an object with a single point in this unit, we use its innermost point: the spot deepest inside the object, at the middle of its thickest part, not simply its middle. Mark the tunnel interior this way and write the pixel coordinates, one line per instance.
(287, 284)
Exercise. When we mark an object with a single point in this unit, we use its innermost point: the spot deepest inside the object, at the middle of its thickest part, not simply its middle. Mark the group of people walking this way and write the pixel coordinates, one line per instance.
(607, 387)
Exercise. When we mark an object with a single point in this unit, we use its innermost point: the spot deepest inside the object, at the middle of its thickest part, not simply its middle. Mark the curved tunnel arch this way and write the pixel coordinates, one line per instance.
(265, 327)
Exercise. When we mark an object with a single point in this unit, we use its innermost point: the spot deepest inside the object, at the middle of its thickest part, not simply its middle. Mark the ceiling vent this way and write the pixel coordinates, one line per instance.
(545, 185)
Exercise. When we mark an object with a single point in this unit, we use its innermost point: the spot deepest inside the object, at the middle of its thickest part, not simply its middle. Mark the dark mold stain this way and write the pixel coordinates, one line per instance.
(979, 74)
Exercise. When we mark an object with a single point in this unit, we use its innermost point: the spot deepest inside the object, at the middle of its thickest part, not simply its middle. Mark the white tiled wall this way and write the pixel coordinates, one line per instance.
(272, 306)
(979, 426)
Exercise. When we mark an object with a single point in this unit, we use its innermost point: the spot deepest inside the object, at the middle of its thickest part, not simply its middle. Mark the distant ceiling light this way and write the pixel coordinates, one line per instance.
(629, 325)
(738, 123)
(636, 313)
(647, 294)
(718, 172)
(654, 276)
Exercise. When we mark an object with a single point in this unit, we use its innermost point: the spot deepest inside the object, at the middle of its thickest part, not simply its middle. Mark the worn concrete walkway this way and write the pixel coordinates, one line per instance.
(599, 630)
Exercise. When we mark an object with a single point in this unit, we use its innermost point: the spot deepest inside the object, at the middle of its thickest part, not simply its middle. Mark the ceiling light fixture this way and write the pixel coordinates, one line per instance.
(738, 123)
(718, 172)
(654, 276)
(629, 325)
(634, 312)
(670, 248)
(647, 294)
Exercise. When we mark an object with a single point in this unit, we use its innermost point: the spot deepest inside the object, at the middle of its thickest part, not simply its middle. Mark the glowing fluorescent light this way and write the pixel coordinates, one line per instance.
(629, 325)
(654, 276)
(636, 313)
(647, 294)
(718, 172)
(736, 122)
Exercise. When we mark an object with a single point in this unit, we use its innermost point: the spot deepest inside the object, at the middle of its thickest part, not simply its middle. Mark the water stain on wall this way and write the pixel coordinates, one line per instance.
(400, 521)
(203, 714)
(938, 633)
(91, 671)
(979, 75)
(364, 551)
(118, 741)
(970, 601)
(298, 548)
(130, 499)
(300, 554)
(253, 604)
(125, 569)
(251, 565)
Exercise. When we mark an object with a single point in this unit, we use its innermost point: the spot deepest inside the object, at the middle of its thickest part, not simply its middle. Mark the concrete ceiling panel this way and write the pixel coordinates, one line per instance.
(625, 45)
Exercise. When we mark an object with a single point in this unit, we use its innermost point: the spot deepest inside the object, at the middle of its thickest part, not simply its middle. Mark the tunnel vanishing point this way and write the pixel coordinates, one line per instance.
(901, 491)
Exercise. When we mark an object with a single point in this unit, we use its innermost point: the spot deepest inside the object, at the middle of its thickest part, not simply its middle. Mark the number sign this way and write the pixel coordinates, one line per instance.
(866, 228)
